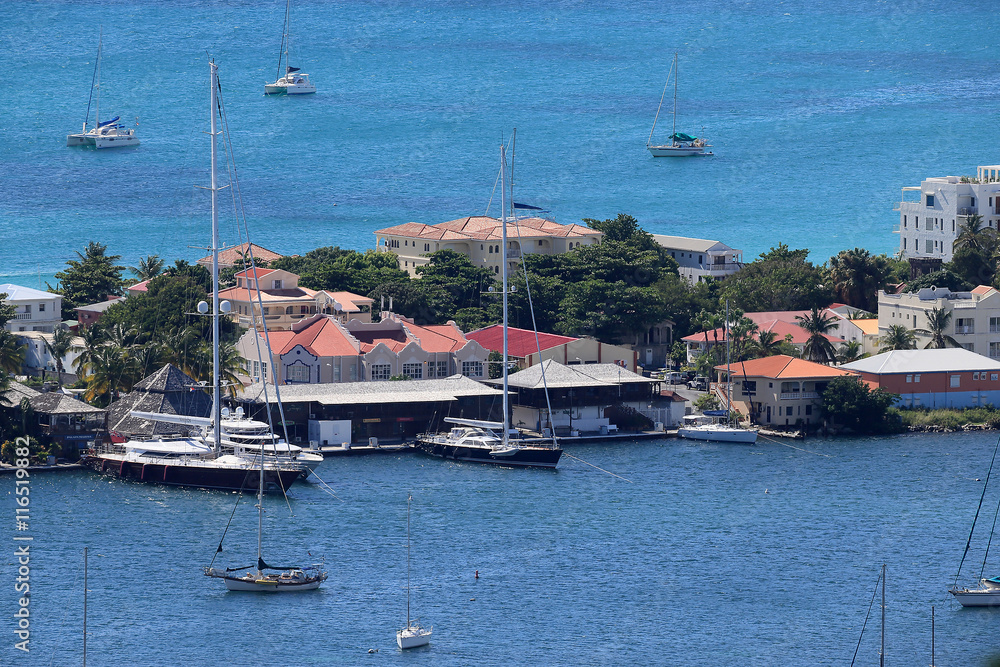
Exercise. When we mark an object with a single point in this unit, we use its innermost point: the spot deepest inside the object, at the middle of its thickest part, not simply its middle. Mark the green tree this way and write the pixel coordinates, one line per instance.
(7, 310)
(850, 351)
(943, 278)
(92, 278)
(780, 279)
(856, 277)
(12, 352)
(147, 268)
(818, 347)
(849, 402)
(938, 320)
(59, 347)
(897, 337)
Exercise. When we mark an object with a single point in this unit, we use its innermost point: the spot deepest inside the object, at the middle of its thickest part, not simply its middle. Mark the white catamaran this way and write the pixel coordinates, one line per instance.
(109, 134)
(292, 82)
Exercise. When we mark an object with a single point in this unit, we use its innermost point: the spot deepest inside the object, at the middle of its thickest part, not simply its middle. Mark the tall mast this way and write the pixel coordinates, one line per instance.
(85, 607)
(675, 96)
(729, 380)
(881, 655)
(97, 108)
(503, 273)
(408, 499)
(216, 390)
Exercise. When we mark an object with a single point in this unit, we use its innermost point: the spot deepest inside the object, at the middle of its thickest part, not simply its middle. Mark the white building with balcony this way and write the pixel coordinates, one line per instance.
(479, 239)
(975, 316)
(35, 310)
(931, 215)
(699, 259)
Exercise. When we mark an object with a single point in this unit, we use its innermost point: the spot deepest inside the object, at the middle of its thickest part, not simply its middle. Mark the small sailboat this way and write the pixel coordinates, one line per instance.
(987, 594)
(293, 81)
(109, 134)
(881, 650)
(413, 635)
(681, 145)
(280, 579)
(719, 431)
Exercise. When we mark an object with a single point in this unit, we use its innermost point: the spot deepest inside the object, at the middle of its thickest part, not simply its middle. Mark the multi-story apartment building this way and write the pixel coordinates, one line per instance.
(479, 239)
(35, 310)
(285, 303)
(975, 316)
(699, 259)
(931, 215)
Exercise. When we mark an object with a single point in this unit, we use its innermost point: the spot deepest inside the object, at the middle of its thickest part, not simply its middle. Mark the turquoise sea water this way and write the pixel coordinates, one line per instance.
(709, 555)
(819, 113)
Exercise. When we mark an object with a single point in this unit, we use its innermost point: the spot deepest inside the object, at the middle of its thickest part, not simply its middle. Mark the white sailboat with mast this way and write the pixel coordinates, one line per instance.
(721, 432)
(281, 579)
(987, 594)
(293, 81)
(413, 635)
(681, 145)
(109, 134)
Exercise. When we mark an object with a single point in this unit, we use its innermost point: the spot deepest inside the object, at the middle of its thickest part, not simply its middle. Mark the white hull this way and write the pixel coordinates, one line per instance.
(718, 433)
(983, 597)
(279, 87)
(413, 636)
(678, 151)
(108, 141)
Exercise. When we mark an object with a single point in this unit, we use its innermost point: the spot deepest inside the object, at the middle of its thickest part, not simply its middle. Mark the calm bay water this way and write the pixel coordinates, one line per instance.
(710, 555)
(819, 113)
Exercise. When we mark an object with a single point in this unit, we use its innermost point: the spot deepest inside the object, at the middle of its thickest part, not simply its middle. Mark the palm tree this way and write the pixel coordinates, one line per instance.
(61, 344)
(818, 347)
(768, 344)
(938, 320)
(710, 322)
(12, 352)
(93, 338)
(112, 371)
(148, 268)
(975, 236)
(850, 351)
(897, 337)
(856, 277)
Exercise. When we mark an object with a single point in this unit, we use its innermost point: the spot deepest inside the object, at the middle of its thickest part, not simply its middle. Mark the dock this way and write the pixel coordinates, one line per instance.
(7, 469)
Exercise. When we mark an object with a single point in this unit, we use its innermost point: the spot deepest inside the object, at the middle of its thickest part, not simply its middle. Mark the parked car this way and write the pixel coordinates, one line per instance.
(676, 377)
(698, 383)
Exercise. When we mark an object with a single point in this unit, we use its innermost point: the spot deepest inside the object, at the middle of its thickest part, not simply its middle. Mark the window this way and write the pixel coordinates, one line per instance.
(427, 247)
(994, 324)
(928, 246)
(749, 386)
(995, 350)
(916, 378)
(955, 381)
(700, 260)
(472, 369)
(904, 221)
(930, 201)
(381, 371)
(437, 369)
(267, 310)
(354, 373)
(971, 347)
(263, 371)
(975, 376)
(909, 378)
(993, 377)
(539, 242)
(414, 371)
(276, 284)
(809, 409)
(336, 371)
(41, 307)
(297, 373)
(928, 223)
(256, 369)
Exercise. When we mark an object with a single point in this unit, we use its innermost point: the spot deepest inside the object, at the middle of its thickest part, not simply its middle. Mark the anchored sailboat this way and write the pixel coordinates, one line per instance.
(988, 592)
(108, 134)
(681, 145)
(293, 81)
(413, 635)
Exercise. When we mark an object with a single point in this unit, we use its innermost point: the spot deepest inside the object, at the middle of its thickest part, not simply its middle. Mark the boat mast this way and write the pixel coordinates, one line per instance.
(881, 655)
(729, 379)
(283, 50)
(674, 132)
(85, 607)
(408, 499)
(503, 273)
(216, 376)
(97, 108)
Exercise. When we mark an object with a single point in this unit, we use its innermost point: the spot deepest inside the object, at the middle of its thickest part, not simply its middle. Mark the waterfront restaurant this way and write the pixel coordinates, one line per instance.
(70, 423)
(391, 410)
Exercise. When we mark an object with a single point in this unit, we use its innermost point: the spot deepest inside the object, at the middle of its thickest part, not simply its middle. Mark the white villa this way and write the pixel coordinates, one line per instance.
(36, 310)
(479, 239)
(700, 258)
(932, 214)
(975, 315)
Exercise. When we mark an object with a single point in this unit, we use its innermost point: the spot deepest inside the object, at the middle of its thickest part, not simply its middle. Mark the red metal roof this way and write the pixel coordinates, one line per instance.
(520, 342)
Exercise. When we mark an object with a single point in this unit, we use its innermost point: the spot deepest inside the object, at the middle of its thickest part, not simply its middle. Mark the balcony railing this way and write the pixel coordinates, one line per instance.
(965, 210)
(965, 330)
(795, 395)
(22, 316)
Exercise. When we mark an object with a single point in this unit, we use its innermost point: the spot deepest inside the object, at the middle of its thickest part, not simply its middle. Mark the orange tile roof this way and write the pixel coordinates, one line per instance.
(982, 290)
(438, 337)
(869, 326)
(483, 228)
(244, 295)
(322, 337)
(231, 256)
(256, 271)
(781, 366)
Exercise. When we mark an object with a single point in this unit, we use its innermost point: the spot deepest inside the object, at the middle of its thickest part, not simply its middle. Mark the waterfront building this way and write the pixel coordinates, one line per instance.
(168, 391)
(590, 399)
(701, 259)
(322, 349)
(931, 215)
(236, 255)
(60, 418)
(479, 239)
(522, 348)
(780, 390)
(975, 316)
(943, 378)
(35, 310)
(336, 413)
(285, 303)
